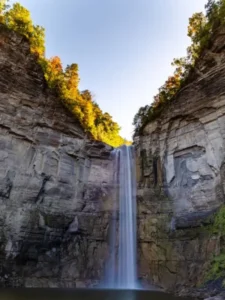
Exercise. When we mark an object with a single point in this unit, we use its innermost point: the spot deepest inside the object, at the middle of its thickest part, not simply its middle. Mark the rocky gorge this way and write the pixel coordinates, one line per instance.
(180, 163)
(56, 183)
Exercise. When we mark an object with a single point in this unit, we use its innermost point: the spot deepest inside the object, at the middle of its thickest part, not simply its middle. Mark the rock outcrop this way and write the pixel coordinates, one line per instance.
(181, 177)
(219, 297)
(55, 183)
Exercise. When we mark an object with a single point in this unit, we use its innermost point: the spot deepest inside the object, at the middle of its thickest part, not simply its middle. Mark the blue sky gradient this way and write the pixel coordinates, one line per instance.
(124, 48)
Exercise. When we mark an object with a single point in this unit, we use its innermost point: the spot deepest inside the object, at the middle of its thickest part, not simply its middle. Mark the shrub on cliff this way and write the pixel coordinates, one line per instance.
(18, 19)
(65, 82)
(217, 266)
(200, 30)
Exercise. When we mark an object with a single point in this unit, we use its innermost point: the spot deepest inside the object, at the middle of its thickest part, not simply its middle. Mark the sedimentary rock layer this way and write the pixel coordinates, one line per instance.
(180, 168)
(55, 183)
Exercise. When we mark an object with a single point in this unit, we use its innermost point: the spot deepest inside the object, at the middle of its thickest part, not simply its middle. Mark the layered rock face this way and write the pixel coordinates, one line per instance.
(55, 183)
(57, 191)
(180, 167)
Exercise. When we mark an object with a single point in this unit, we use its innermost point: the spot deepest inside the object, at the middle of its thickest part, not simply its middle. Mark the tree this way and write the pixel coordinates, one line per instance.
(71, 81)
(198, 33)
(53, 71)
(37, 41)
(200, 30)
(86, 95)
(18, 19)
(65, 82)
(3, 7)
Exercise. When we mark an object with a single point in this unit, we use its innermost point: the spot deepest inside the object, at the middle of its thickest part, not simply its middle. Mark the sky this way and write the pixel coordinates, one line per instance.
(124, 48)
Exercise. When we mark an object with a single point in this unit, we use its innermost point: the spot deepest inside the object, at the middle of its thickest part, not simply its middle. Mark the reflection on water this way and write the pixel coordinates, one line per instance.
(83, 294)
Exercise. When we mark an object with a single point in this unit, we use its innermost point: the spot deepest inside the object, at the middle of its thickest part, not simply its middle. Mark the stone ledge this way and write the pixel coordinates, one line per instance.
(195, 219)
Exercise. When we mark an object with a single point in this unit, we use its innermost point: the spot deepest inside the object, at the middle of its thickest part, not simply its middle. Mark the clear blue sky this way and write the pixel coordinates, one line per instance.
(123, 47)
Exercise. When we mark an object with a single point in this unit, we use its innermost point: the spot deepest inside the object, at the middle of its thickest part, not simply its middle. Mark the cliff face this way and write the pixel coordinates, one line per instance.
(55, 183)
(181, 171)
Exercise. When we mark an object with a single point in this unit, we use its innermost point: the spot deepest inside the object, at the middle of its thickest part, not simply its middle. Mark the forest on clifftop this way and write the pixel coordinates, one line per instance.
(98, 124)
(201, 28)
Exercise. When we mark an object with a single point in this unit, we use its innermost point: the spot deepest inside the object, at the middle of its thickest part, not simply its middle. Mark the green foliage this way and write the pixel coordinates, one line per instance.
(200, 30)
(217, 266)
(3, 7)
(65, 82)
(217, 269)
(219, 222)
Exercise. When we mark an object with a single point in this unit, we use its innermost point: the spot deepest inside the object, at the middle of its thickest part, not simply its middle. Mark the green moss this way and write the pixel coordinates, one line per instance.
(219, 223)
(217, 265)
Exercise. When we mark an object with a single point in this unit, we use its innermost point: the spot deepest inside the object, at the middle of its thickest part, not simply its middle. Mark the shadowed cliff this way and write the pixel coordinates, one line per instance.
(55, 183)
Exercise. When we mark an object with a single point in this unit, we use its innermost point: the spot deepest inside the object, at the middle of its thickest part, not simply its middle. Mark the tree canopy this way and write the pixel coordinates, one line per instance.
(65, 82)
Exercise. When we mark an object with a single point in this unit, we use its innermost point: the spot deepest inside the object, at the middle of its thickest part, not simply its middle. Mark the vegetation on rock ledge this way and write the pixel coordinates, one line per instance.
(217, 266)
(100, 125)
(200, 30)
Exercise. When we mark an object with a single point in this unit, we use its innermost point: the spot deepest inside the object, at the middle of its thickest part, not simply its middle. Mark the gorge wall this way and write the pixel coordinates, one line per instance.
(181, 177)
(55, 183)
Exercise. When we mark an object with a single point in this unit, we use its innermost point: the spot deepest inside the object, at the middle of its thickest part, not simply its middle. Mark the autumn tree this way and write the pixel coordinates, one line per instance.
(3, 7)
(88, 110)
(65, 82)
(200, 30)
(37, 41)
(53, 71)
(71, 81)
(18, 19)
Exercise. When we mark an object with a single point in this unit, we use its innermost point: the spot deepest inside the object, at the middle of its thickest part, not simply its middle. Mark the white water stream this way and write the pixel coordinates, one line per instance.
(121, 267)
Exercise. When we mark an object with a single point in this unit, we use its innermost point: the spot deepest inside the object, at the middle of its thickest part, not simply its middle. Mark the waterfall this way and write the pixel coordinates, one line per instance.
(121, 267)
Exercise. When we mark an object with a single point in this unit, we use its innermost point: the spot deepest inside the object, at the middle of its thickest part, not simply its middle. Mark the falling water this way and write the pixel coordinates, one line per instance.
(111, 273)
(121, 267)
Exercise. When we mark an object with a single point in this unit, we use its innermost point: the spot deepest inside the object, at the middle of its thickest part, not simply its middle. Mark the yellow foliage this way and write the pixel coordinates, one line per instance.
(100, 125)
(18, 19)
